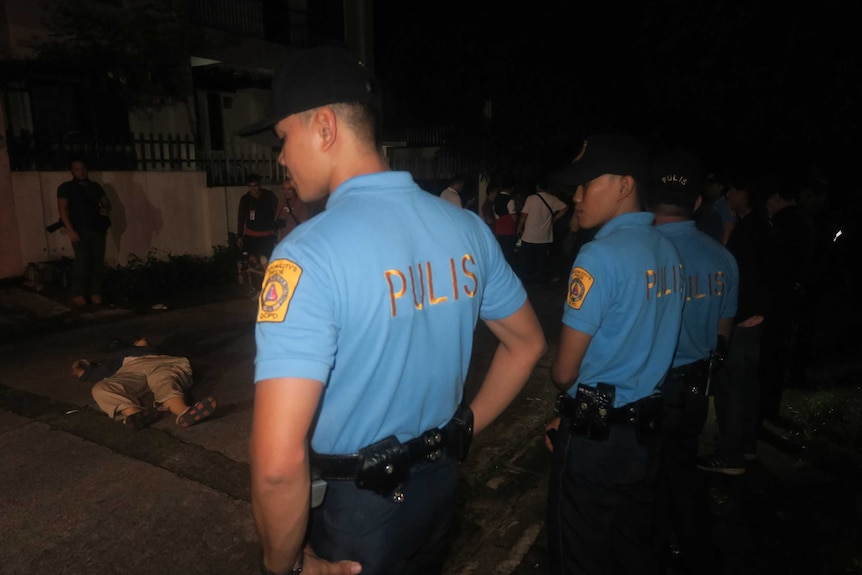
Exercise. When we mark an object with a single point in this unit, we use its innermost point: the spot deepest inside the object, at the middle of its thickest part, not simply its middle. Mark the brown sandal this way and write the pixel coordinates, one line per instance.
(198, 412)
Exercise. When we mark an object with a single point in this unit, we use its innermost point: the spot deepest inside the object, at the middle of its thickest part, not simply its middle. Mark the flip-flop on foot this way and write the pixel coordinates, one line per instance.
(198, 412)
(141, 419)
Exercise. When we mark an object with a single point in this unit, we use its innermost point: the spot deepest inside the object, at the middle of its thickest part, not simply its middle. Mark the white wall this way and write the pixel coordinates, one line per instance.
(171, 212)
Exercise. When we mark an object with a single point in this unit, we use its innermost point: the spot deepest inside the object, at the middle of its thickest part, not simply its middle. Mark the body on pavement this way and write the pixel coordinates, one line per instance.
(123, 380)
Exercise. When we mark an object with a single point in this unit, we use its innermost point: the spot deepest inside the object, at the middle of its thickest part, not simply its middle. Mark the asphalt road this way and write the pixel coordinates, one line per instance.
(80, 495)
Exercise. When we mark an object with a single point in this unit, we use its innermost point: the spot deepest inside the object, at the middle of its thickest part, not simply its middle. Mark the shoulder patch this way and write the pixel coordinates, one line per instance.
(279, 285)
(579, 286)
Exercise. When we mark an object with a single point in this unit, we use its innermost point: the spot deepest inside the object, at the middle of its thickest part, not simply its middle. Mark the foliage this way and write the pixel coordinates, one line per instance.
(829, 423)
(163, 277)
(139, 51)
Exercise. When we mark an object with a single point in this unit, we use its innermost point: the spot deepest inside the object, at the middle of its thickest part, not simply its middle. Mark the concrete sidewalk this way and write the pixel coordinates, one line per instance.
(81, 495)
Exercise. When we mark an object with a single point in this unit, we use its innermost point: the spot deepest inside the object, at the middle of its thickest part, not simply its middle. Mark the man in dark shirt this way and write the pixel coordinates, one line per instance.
(737, 397)
(256, 221)
(792, 233)
(84, 210)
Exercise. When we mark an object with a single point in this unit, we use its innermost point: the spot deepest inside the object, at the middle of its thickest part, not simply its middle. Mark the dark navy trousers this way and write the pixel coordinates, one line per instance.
(389, 537)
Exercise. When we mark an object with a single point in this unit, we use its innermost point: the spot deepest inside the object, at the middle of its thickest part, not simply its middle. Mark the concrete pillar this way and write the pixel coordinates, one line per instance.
(359, 29)
(11, 262)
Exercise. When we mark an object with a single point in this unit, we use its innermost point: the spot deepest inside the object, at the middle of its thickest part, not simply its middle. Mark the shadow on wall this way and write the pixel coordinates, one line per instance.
(134, 222)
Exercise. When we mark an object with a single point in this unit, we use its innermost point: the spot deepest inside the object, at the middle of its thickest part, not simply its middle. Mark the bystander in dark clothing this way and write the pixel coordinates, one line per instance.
(737, 396)
(792, 234)
(256, 220)
(85, 212)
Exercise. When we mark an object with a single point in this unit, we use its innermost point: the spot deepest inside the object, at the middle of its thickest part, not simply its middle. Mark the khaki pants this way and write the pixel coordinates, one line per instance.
(164, 375)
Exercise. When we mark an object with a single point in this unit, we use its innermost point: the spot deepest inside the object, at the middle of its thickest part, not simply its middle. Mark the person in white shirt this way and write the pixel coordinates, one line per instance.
(536, 231)
(452, 193)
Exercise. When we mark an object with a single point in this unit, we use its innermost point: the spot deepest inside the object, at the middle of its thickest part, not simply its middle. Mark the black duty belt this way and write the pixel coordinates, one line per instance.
(591, 413)
(692, 377)
(427, 448)
(571, 407)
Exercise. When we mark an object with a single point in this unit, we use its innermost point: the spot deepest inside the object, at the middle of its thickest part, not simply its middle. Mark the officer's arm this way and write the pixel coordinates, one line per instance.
(522, 344)
(567, 365)
(280, 478)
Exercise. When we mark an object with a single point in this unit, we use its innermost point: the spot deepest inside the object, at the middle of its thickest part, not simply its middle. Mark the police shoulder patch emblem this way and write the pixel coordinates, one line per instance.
(279, 285)
(579, 286)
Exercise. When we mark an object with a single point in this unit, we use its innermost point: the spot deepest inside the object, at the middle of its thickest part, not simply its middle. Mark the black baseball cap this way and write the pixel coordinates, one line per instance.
(676, 177)
(606, 154)
(311, 78)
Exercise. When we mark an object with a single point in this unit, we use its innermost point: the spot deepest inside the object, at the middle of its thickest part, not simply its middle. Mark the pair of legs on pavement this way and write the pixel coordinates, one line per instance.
(88, 268)
(737, 404)
(168, 378)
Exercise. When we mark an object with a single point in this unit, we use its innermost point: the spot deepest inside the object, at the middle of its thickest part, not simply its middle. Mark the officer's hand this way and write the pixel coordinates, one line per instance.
(314, 565)
(551, 431)
(239, 242)
(74, 237)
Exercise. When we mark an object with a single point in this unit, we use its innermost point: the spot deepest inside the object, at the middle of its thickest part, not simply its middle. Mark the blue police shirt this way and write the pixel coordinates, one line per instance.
(711, 279)
(378, 298)
(625, 291)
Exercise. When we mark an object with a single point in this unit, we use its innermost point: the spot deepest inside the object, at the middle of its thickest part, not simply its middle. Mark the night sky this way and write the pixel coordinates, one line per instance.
(749, 84)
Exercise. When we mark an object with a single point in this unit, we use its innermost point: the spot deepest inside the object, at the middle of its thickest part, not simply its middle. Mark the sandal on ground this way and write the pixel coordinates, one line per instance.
(197, 412)
(141, 419)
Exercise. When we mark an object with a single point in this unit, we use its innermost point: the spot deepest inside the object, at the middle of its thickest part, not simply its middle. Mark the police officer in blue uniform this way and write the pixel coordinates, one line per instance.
(711, 280)
(621, 322)
(364, 335)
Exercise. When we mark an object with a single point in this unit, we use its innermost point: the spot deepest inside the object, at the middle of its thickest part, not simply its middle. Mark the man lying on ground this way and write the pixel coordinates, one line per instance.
(124, 379)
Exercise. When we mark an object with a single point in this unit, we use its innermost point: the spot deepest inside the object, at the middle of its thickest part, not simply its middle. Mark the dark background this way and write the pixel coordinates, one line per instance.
(763, 86)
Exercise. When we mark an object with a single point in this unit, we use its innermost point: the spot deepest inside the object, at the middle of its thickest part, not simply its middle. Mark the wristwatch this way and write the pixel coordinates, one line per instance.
(297, 567)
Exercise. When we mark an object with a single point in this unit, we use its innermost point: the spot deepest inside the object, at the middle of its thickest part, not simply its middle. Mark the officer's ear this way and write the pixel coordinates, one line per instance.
(697, 203)
(325, 126)
(628, 186)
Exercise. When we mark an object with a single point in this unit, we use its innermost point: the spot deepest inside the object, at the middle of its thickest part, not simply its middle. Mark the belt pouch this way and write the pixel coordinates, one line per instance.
(648, 416)
(593, 405)
(383, 466)
(459, 433)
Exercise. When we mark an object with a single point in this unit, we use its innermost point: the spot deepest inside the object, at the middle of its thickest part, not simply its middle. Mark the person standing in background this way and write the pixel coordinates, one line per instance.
(541, 211)
(292, 211)
(506, 224)
(711, 280)
(737, 393)
(452, 193)
(255, 230)
(85, 212)
(621, 322)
